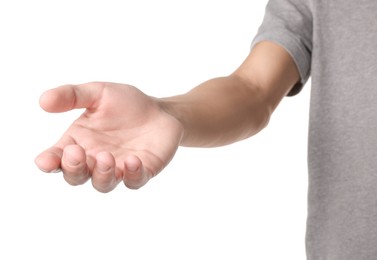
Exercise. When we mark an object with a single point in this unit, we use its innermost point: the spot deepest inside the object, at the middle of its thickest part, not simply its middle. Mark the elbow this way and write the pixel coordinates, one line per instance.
(262, 119)
(260, 112)
(266, 115)
(258, 120)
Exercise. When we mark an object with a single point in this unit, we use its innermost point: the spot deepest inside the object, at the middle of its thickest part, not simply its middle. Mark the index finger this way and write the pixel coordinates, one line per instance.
(50, 159)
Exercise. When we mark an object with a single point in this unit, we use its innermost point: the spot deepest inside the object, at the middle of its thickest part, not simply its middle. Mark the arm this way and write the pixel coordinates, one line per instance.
(225, 110)
(125, 135)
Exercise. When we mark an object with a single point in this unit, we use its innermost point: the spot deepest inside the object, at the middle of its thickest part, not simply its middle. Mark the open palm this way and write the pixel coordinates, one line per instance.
(122, 135)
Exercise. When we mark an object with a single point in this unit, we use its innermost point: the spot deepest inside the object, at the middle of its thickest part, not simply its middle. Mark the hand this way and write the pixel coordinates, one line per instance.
(122, 135)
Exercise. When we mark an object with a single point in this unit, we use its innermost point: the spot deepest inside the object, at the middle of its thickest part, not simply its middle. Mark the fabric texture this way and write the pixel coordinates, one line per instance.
(335, 41)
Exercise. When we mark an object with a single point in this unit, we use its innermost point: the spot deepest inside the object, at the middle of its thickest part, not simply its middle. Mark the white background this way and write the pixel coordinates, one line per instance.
(244, 201)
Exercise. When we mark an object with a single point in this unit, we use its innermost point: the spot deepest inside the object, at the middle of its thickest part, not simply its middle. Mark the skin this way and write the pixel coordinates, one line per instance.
(127, 136)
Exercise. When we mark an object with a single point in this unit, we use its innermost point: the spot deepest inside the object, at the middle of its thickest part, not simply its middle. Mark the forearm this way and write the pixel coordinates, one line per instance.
(219, 112)
(225, 110)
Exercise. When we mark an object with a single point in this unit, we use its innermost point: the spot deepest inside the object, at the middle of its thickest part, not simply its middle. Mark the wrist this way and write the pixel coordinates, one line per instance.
(173, 108)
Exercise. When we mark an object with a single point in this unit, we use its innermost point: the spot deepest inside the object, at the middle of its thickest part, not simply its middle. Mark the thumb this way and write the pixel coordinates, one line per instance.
(70, 97)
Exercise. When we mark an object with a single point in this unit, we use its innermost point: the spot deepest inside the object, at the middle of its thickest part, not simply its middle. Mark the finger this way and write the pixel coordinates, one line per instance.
(135, 175)
(103, 176)
(49, 160)
(74, 165)
(69, 97)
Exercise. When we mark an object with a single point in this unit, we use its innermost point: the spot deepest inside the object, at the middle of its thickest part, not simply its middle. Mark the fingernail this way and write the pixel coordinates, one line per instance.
(132, 168)
(102, 167)
(72, 162)
(51, 171)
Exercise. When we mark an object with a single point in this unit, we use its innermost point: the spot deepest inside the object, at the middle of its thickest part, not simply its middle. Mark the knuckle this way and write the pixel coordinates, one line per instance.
(98, 84)
(74, 181)
(133, 185)
(103, 187)
(74, 178)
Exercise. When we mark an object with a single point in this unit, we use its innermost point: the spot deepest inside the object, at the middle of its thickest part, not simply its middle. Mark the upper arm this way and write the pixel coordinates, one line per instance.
(272, 69)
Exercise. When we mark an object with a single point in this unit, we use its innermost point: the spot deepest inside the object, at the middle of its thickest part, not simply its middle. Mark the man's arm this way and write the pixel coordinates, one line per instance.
(125, 135)
(228, 109)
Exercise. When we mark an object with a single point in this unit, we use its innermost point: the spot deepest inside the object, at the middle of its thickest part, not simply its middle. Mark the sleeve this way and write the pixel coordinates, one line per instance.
(289, 23)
